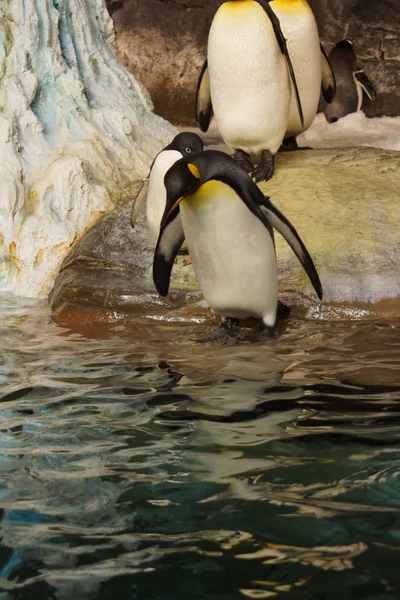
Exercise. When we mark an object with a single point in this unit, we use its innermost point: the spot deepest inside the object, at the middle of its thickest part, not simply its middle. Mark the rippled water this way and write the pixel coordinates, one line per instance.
(137, 463)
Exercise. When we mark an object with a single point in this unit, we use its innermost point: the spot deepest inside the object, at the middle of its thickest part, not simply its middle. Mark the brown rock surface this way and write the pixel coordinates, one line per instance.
(164, 44)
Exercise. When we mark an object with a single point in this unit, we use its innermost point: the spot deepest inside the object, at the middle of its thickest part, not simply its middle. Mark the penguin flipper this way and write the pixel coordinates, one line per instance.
(169, 243)
(282, 44)
(328, 84)
(203, 99)
(289, 233)
(366, 85)
(138, 201)
(271, 217)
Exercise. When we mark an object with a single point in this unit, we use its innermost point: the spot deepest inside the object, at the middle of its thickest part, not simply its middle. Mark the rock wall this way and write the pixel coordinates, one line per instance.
(76, 129)
(164, 43)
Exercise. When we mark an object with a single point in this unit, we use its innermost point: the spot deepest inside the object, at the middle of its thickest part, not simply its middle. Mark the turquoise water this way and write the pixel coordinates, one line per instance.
(137, 463)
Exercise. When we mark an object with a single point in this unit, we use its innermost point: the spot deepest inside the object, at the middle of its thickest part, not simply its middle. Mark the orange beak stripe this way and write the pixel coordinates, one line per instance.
(175, 205)
(194, 170)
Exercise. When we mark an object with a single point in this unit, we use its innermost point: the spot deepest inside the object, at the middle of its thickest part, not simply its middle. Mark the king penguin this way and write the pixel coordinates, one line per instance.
(352, 83)
(184, 144)
(245, 81)
(227, 223)
(310, 62)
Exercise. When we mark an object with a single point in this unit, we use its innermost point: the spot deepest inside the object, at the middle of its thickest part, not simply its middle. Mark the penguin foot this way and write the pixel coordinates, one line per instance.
(229, 323)
(283, 310)
(187, 261)
(261, 333)
(266, 167)
(289, 144)
(243, 160)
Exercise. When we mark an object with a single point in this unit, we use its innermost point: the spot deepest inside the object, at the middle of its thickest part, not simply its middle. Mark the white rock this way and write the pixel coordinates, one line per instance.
(75, 130)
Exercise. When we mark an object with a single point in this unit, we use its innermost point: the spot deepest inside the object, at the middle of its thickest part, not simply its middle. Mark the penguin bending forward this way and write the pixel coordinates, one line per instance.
(310, 62)
(245, 82)
(351, 83)
(227, 223)
(184, 144)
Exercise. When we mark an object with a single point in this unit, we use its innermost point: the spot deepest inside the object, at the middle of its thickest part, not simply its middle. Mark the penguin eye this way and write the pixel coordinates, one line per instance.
(188, 150)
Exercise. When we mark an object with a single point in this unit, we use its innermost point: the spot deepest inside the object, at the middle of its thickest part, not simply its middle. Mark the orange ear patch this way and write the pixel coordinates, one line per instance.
(194, 170)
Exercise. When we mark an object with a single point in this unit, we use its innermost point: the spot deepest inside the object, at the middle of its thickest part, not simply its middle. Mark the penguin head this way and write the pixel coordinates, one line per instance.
(186, 143)
(181, 180)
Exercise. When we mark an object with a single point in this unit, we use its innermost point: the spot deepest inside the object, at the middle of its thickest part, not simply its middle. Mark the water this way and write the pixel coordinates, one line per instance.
(137, 463)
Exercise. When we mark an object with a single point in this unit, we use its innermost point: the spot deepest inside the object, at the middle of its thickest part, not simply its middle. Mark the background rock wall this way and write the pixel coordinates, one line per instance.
(163, 42)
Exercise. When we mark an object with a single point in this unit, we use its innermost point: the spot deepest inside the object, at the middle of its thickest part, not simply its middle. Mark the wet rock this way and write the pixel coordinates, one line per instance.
(111, 267)
(164, 44)
(344, 204)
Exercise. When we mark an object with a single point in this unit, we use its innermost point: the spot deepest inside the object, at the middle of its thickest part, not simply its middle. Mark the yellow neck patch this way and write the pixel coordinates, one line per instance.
(194, 170)
(290, 6)
(210, 191)
(238, 9)
(235, 8)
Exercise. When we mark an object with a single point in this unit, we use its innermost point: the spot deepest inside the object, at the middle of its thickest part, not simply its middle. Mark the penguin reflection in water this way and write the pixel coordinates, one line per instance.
(227, 223)
(245, 81)
(184, 144)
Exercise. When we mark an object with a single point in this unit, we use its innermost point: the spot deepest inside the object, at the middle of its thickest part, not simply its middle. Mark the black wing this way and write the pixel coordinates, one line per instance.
(203, 99)
(216, 165)
(282, 44)
(328, 84)
(169, 243)
(289, 233)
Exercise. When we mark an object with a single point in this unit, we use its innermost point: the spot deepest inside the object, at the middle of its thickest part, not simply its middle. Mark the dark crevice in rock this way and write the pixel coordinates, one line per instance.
(116, 5)
(63, 36)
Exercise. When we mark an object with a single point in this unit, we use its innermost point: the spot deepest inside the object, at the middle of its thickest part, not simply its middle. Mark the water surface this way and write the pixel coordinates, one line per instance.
(138, 463)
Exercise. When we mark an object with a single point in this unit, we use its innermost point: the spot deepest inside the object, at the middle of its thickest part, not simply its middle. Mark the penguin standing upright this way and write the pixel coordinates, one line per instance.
(310, 63)
(183, 144)
(245, 82)
(352, 82)
(227, 222)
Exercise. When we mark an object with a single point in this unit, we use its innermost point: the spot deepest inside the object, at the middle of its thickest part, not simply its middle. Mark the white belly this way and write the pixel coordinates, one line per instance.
(300, 30)
(250, 87)
(232, 253)
(157, 195)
